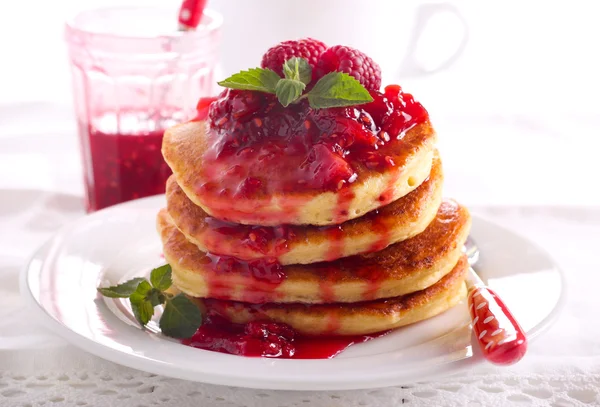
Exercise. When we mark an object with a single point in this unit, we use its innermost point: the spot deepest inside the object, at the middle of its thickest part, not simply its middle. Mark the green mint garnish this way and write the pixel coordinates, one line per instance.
(180, 318)
(336, 89)
(261, 80)
(161, 277)
(288, 91)
(122, 290)
(298, 69)
(141, 303)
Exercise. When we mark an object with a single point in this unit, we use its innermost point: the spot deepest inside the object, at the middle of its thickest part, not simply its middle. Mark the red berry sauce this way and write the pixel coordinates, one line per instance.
(262, 276)
(258, 279)
(267, 269)
(268, 339)
(202, 108)
(259, 148)
(252, 241)
(122, 161)
(265, 240)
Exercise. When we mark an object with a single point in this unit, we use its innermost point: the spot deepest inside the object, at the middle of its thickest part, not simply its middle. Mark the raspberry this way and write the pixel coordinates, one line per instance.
(307, 48)
(351, 61)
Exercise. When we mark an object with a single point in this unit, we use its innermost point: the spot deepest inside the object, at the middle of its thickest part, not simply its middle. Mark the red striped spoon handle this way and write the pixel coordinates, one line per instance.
(190, 14)
(501, 338)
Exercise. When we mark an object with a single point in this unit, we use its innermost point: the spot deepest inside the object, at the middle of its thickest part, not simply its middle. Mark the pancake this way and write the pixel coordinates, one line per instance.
(188, 146)
(401, 268)
(400, 220)
(356, 318)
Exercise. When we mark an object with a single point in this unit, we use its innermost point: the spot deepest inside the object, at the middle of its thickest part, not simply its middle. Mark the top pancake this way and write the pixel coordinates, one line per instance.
(400, 220)
(185, 146)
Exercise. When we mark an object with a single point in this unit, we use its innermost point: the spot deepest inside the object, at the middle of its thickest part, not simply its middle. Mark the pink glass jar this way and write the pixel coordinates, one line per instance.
(135, 75)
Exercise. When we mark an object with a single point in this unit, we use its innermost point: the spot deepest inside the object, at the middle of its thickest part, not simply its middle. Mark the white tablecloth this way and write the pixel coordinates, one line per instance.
(527, 172)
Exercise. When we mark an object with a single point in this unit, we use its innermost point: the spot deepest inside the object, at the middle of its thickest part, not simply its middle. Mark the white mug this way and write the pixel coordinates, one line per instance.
(386, 30)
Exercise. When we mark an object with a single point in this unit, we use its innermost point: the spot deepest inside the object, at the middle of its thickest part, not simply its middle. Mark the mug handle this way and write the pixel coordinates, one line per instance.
(410, 66)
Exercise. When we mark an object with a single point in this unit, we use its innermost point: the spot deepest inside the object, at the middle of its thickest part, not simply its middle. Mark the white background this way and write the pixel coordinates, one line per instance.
(517, 114)
(533, 55)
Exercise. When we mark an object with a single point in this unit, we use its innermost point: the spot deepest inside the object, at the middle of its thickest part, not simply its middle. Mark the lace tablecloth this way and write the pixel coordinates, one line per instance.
(561, 369)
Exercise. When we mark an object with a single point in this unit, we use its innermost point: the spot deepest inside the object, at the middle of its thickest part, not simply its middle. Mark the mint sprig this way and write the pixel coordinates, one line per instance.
(289, 90)
(298, 69)
(259, 79)
(160, 277)
(180, 318)
(123, 290)
(141, 303)
(336, 89)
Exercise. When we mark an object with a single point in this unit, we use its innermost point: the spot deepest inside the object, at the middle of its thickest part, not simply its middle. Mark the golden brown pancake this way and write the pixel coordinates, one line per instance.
(356, 318)
(400, 220)
(185, 145)
(401, 268)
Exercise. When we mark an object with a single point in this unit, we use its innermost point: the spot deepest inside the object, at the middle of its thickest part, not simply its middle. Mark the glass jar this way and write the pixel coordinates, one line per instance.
(135, 75)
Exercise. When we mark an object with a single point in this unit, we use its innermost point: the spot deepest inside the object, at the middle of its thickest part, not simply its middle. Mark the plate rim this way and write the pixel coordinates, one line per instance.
(135, 361)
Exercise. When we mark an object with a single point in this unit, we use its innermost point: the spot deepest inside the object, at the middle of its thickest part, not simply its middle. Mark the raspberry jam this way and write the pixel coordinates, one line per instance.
(259, 148)
(268, 339)
(261, 277)
(248, 238)
(267, 269)
(123, 160)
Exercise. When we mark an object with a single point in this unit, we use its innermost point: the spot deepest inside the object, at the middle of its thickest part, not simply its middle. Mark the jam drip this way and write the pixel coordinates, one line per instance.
(267, 270)
(268, 339)
(271, 242)
(259, 239)
(258, 147)
(263, 276)
(267, 273)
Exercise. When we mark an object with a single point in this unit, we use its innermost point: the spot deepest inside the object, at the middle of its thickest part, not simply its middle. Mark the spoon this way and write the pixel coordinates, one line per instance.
(499, 335)
(190, 14)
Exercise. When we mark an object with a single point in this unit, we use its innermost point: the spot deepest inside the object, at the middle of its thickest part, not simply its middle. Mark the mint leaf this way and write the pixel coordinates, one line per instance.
(141, 304)
(262, 80)
(290, 70)
(123, 290)
(181, 317)
(289, 90)
(143, 311)
(337, 89)
(298, 69)
(156, 297)
(160, 277)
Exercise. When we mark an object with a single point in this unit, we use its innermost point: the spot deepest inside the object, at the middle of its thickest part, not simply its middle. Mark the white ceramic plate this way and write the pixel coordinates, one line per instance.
(120, 242)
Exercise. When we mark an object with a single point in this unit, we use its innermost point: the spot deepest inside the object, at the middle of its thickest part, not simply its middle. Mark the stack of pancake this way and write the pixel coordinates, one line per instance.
(384, 252)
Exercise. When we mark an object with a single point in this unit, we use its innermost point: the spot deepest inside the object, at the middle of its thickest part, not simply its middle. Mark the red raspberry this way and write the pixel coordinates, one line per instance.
(307, 48)
(351, 61)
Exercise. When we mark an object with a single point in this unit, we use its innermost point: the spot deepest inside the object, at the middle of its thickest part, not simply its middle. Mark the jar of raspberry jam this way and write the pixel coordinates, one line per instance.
(135, 75)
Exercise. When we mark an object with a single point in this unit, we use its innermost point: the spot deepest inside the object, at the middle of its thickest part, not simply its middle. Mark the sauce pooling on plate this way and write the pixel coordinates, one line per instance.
(268, 339)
